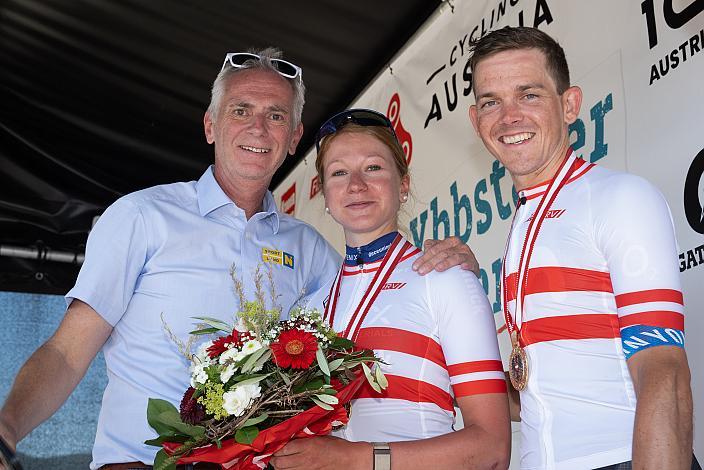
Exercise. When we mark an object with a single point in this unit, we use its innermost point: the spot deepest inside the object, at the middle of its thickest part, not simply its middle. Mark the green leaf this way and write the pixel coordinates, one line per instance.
(380, 378)
(219, 325)
(284, 376)
(322, 361)
(370, 378)
(263, 359)
(175, 423)
(336, 363)
(156, 410)
(254, 379)
(256, 420)
(314, 384)
(160, 461)
(329, 399)
(341, 343)
(253, 358)
(204, 331)
(167, 438)
(324, 406)
(246, 435)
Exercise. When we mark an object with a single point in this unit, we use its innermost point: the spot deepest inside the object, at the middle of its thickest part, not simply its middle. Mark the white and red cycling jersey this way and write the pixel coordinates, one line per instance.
(436, 334)
(604, 265)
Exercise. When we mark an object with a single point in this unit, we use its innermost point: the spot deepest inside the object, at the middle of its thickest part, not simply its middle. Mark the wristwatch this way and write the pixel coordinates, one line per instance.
(382, 456)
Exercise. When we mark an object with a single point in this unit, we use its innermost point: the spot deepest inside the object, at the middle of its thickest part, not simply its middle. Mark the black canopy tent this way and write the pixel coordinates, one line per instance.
(100, 98)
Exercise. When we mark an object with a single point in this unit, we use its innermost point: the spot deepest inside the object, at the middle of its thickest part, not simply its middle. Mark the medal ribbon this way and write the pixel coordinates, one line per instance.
(392, 258)
(568, 167)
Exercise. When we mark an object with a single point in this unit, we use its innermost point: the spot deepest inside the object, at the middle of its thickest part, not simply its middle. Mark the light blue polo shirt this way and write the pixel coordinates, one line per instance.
(167, 250)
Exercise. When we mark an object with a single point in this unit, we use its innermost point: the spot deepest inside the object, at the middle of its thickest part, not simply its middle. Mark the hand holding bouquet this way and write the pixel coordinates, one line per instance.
(258, 385)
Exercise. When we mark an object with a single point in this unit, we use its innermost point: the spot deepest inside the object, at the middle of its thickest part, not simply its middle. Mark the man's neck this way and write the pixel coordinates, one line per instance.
(248, 195)
(544, 174)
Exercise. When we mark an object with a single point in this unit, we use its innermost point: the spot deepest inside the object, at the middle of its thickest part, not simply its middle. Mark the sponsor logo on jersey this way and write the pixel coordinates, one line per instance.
(393, 285)
(638, 337)
(551, 214)
(277, 257)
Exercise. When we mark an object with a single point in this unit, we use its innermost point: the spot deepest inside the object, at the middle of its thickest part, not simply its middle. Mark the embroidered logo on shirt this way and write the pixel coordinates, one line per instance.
(393, 285)
(277, 257)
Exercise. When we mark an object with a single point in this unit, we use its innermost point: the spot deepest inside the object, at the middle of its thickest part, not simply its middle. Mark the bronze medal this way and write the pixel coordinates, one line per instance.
(518, 359)
(517, 364)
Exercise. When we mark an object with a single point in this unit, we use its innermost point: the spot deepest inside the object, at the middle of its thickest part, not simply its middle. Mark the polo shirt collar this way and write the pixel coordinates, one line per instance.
(211, 197)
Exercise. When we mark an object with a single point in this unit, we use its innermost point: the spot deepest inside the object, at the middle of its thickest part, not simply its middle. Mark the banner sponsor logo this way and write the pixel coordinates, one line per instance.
(446, 95)
(288, 200)
(404, 137)
(680, 53)
(694, 211)
(694, 194)
(314, 187)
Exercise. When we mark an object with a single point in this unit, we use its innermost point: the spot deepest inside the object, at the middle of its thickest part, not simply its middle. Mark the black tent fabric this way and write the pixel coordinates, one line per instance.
(103, 97)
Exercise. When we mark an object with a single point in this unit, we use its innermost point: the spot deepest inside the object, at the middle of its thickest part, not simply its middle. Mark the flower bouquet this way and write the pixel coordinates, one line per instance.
(258, 385)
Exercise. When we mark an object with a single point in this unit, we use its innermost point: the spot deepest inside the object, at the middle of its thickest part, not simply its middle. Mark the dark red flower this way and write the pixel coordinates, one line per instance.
(192, 412)
(295, 349)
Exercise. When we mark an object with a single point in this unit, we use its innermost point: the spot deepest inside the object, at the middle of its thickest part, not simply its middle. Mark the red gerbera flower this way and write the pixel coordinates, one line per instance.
(218, 347)
(295, 349)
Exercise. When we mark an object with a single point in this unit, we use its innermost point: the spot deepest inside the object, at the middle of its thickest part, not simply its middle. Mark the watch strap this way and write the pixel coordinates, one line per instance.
(382, 456)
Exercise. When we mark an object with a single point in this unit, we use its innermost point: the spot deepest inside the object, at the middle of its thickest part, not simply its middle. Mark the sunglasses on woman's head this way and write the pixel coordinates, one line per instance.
(361, 117)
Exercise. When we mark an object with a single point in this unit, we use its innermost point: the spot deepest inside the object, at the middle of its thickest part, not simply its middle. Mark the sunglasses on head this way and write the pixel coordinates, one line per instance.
(361, 117)
(285, 68)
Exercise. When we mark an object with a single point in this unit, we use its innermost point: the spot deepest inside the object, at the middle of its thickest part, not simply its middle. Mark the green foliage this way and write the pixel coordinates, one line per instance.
(340, 343)
(256, 420)
(322, 361)
(246, 435)
(213, 401)
(218, 325)
(166, 421)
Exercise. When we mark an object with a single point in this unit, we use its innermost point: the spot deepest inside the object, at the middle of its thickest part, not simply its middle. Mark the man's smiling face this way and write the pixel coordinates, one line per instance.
(253, 130)
(520, 116)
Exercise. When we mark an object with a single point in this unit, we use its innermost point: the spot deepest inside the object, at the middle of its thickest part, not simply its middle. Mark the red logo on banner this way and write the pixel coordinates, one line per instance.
(288, 200)
(314, 186)
(404, 137)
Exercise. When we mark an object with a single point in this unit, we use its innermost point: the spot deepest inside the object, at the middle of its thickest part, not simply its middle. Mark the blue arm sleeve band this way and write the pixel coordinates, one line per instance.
(639, 337)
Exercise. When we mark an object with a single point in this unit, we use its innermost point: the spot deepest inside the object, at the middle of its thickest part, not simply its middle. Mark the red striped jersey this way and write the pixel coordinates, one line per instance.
(605, 259)
(436, 334)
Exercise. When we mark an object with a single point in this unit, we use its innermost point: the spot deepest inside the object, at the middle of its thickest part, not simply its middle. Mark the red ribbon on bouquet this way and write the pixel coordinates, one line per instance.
(314, 421)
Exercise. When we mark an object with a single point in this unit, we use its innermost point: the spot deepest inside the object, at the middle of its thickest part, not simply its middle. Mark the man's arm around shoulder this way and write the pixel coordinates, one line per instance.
(52, 372)
(662, 434)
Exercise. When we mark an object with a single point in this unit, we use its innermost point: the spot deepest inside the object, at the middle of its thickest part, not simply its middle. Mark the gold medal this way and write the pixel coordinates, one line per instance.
(517, 364)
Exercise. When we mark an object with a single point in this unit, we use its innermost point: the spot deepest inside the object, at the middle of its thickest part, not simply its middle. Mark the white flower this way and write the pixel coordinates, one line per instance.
(198, 375)
(227, 373)
(251, 346)
(237, 400)
(230, 356)
(201, 355)
(240, 326)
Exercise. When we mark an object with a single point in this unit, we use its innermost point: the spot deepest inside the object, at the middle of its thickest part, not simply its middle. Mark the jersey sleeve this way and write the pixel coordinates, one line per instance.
(637, 237)
(115, 256)
(467, 333)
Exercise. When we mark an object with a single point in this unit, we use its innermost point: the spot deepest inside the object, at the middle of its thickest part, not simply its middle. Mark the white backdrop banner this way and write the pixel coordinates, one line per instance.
(640, 65)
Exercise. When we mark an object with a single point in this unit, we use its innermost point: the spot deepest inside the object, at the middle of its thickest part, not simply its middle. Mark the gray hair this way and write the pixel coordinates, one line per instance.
(299, 88)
